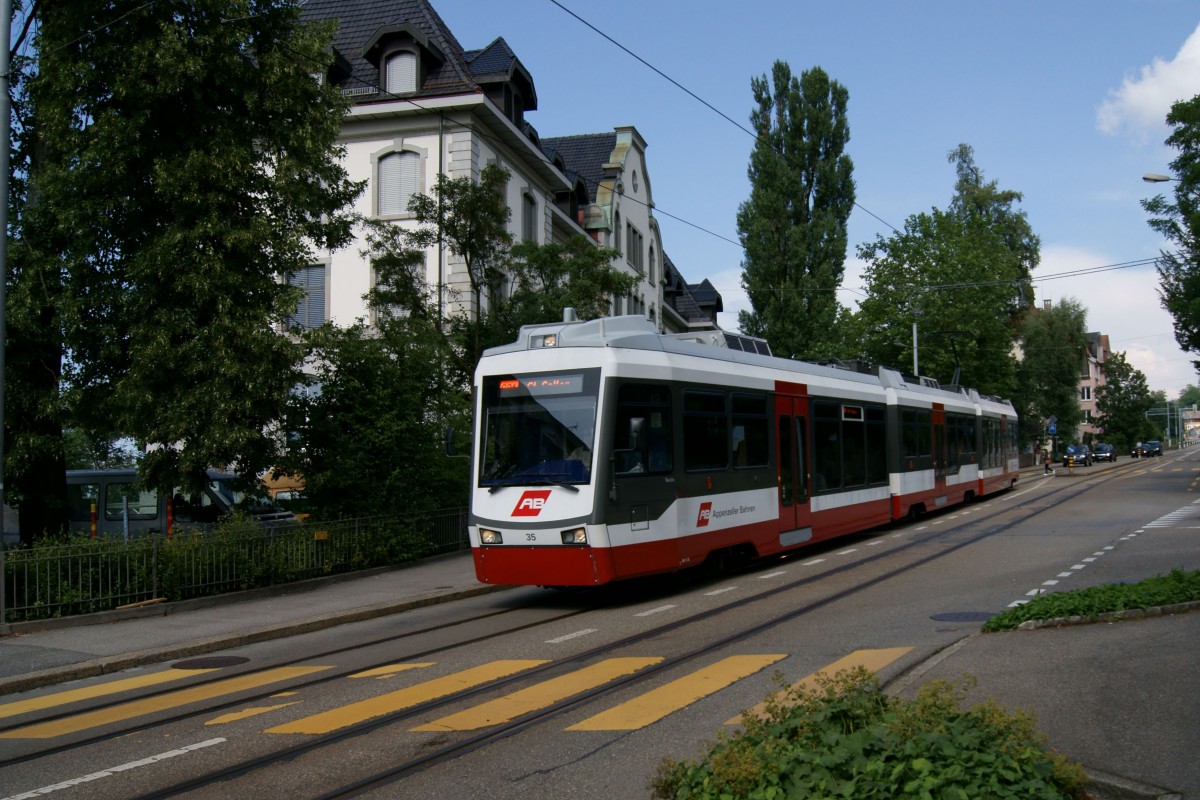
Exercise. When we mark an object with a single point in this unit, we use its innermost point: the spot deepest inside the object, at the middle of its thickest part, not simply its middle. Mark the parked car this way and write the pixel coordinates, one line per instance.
(1152, 447)
(1104, 452)
(1077, 455)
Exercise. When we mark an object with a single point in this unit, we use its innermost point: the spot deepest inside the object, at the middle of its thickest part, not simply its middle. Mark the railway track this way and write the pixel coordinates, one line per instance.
(923, 547)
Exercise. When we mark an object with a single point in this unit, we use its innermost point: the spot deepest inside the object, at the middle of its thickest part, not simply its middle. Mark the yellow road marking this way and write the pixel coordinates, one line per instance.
(237, 716)
(658, 703)
(388, 670)
(137, 708)
(873, 660)
(538, 697)
(400, 699)
(99, 690)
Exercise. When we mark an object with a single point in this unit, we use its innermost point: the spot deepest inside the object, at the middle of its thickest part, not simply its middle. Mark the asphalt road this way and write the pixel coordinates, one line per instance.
(684, 655)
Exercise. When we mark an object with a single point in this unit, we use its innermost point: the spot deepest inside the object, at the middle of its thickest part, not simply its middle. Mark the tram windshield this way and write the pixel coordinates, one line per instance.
(538, 428)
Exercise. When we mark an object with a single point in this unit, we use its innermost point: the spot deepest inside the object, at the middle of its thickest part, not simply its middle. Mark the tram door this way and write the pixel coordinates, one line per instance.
(791, 420)
(941, 452)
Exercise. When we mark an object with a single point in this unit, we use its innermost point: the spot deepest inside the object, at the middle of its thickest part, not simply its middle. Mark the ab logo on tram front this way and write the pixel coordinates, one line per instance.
(531, 503)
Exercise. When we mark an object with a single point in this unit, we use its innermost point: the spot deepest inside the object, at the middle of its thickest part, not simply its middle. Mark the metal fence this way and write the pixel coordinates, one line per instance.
(99, 574)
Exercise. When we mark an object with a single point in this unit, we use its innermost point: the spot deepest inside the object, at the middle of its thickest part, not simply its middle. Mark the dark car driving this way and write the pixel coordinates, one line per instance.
(1104, 452)
(1152, 448)
(1077, 455)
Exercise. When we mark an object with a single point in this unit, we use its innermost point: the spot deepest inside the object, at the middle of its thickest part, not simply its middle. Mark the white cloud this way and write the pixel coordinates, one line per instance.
(1141, 104)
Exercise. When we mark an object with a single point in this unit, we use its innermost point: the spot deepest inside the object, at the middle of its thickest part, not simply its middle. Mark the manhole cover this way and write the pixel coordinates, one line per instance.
(212, 662)
(964, 616)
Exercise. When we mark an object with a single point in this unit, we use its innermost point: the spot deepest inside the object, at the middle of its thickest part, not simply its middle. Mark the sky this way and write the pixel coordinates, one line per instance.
(1063, 101)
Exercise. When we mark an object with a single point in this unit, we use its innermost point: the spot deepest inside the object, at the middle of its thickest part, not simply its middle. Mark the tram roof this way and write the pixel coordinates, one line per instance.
(635, 332)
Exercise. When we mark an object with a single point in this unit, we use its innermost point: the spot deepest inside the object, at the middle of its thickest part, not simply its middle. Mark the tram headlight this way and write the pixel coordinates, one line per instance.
(575, 536)
(490, 537)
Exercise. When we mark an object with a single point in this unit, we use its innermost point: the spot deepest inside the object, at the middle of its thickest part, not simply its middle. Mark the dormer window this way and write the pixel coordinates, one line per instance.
(404, 56)
(400, 75)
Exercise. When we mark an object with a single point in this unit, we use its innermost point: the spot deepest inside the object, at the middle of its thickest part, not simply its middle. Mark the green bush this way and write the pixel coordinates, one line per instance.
(1179, 586)
(847, 739)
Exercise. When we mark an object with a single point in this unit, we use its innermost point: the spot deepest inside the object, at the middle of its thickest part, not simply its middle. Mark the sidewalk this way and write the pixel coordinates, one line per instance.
(1122, 699)
(45, 653)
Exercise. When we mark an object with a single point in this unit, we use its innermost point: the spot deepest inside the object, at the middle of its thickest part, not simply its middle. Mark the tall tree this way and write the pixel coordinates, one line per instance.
(546, 278)
(1054, 346)
(182, 162)
(793, 226)
(1122, 403)
(1179, 223)
(471, 218)
(369, 425)
(960, 276)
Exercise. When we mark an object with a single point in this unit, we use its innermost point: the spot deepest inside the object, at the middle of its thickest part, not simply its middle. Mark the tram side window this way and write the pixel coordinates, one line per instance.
(827, 446)
(960, 430)
(991, 443)
(916, 439)
(876, 429)
(854, 446)
(705, 431)
(643, 448)
(750, 430)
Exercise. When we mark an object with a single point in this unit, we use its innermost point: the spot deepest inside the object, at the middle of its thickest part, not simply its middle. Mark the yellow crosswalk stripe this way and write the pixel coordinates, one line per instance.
(150, 705)
(400, 699)
(873, 660)
(99, 690)
(537, 697)
(246, 713)
(658, 703)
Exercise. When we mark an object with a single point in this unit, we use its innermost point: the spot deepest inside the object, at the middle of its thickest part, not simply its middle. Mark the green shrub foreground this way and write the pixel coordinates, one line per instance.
(1178, 586)
(847, 739)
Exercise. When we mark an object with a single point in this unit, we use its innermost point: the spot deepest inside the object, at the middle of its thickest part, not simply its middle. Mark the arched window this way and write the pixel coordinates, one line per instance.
(399, 179)
(401, 76)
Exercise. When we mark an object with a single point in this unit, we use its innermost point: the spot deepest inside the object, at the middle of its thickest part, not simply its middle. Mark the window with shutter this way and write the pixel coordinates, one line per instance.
(310, 313)
(401, 73)
(399, 179)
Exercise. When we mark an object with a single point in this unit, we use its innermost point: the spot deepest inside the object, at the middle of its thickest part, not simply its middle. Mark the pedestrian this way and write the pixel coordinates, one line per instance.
(1046, 460)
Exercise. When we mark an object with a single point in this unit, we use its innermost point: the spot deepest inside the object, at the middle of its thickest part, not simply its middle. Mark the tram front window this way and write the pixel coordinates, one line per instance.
(538, 428)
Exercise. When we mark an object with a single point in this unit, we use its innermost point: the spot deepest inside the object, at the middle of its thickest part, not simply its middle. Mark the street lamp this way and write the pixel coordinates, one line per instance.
(1154, 177)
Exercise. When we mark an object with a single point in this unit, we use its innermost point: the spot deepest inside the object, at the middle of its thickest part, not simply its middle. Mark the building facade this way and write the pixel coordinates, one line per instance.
(1090, 381)
(424, 106)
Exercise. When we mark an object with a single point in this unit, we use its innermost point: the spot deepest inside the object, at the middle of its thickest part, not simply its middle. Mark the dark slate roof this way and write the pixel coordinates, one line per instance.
(494, 60)
(584, 155)
(680, 295)
(705, 293)
(358, 20)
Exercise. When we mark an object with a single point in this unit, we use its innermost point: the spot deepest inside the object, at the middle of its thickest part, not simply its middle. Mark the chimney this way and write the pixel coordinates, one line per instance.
(1046, 304)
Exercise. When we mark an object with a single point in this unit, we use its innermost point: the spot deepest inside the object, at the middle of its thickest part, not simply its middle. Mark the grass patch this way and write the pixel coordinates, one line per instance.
(847, 738)
(1179, 586)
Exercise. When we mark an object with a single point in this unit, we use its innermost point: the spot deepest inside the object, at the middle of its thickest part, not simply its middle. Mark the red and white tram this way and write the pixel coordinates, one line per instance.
(605, 450)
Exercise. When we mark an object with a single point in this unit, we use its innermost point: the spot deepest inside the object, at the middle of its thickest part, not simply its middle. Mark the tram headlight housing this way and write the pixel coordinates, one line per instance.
(487, 536)
(575, 536)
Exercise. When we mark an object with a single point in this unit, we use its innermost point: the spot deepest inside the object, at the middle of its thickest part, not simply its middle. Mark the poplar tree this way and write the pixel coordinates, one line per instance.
(181, 167)
(793, 226)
